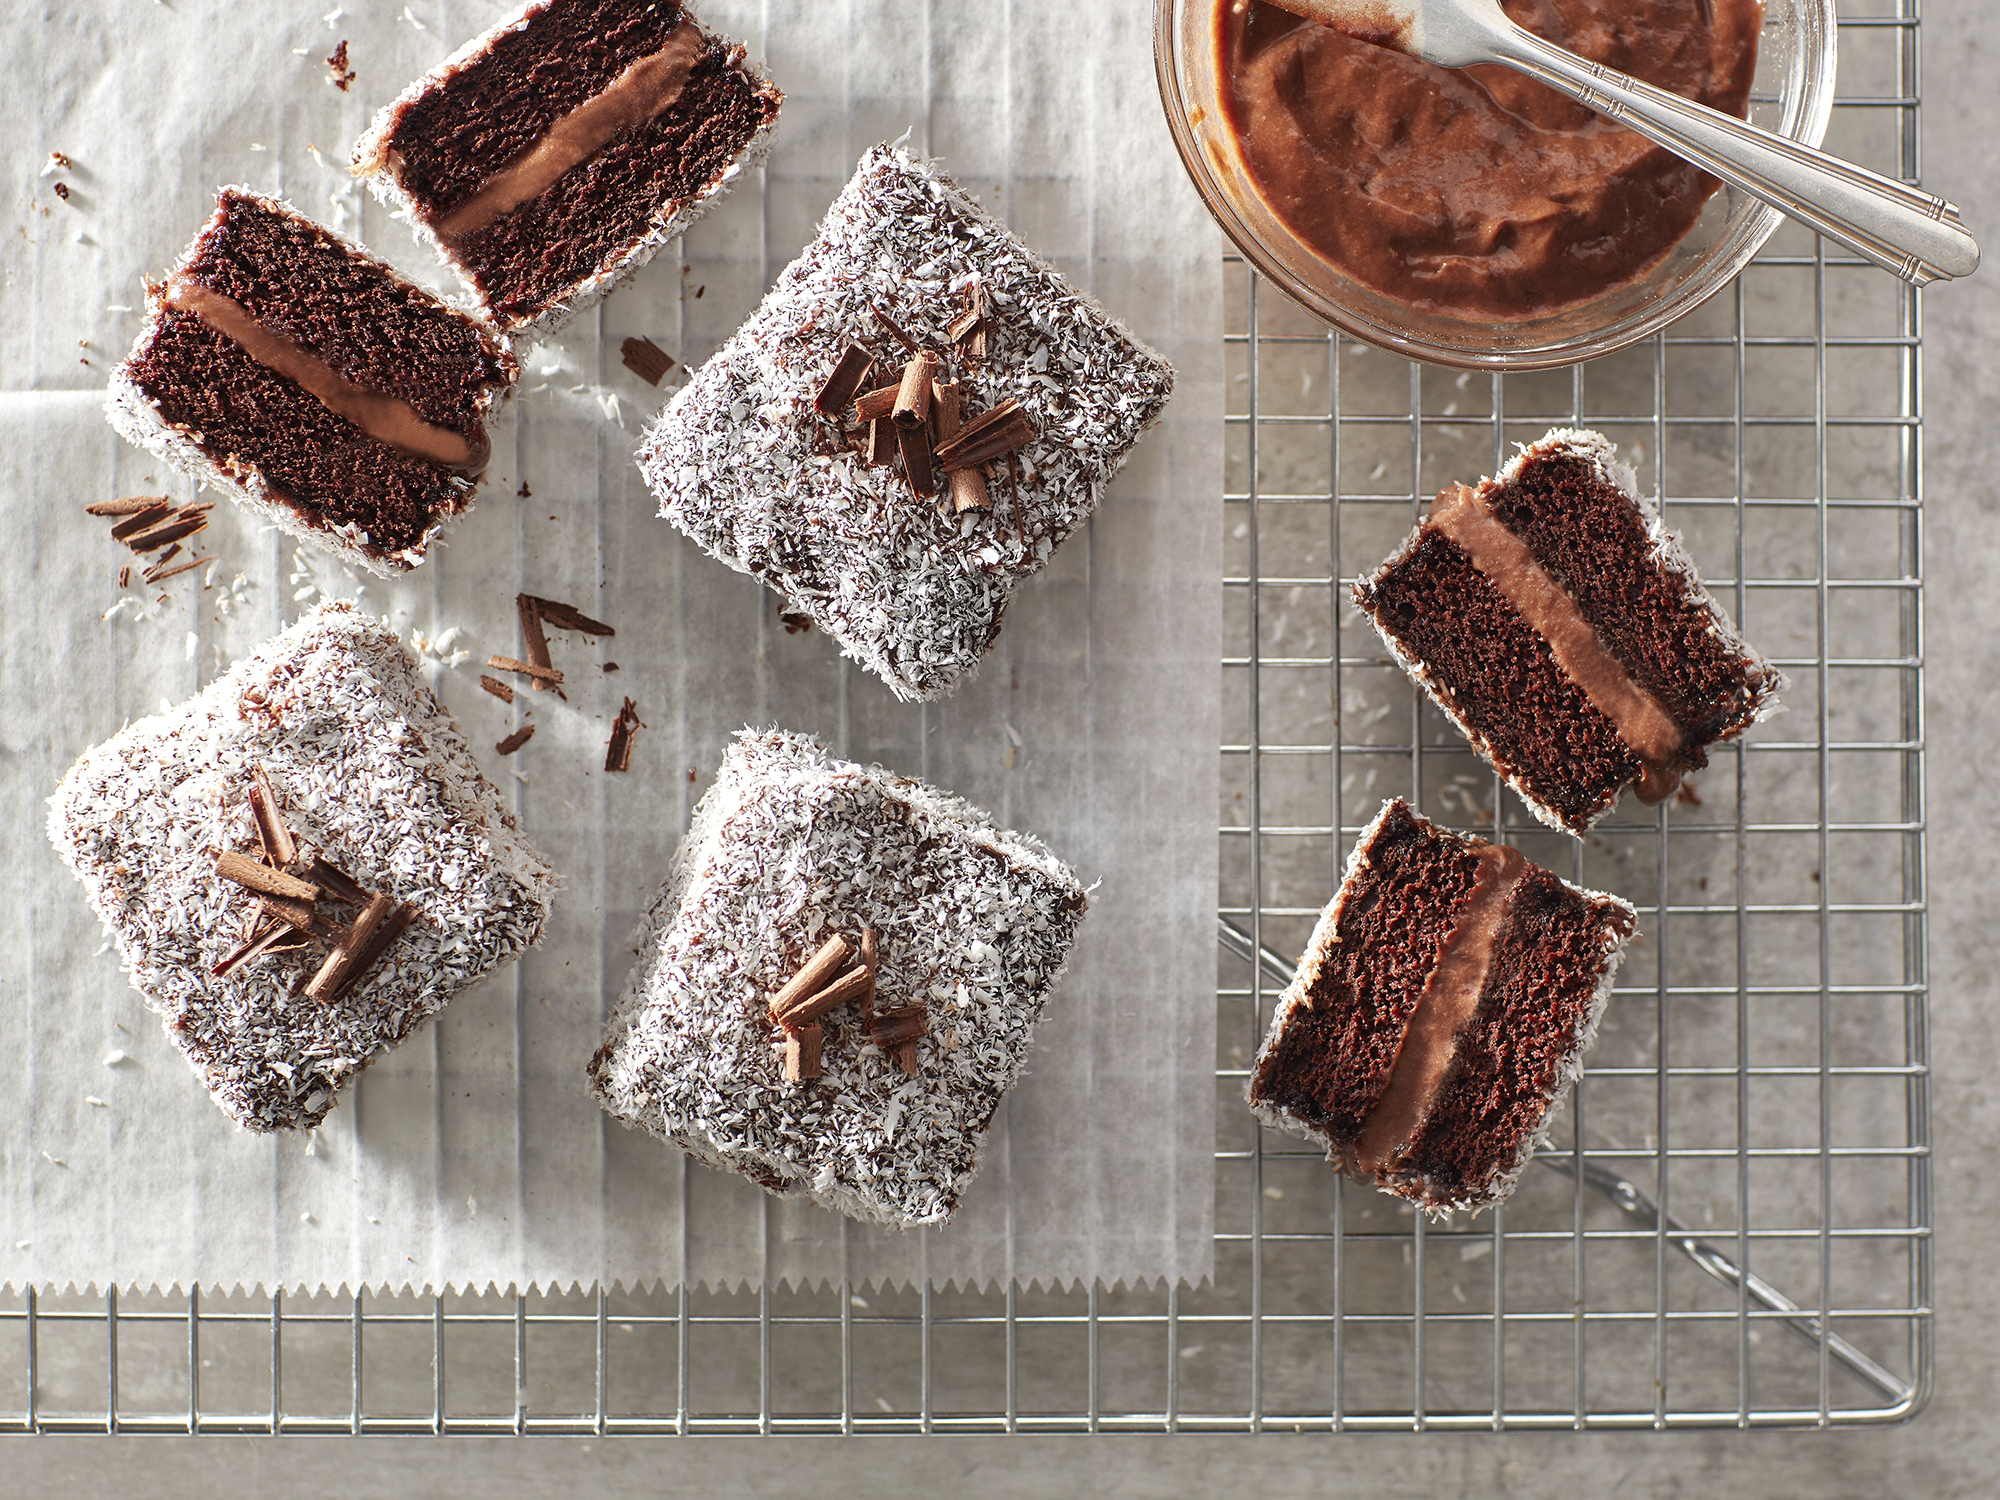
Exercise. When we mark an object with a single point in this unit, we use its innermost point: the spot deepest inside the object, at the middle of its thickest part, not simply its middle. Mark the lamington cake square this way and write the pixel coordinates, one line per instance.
(312, 383)
(917, 414)
(300, 865)
(1559, 625)
(1439, 1014)
(838, 983)
(558, 151)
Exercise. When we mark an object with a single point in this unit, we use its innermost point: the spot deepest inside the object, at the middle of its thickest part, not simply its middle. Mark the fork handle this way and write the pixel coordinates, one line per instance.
(1898, 227)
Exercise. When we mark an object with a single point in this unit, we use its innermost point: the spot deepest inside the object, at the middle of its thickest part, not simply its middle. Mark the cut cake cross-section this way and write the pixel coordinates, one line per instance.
(1439, 1014)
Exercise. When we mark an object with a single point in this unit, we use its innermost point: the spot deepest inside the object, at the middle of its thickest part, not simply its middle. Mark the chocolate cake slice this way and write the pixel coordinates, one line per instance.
(300, 865)
(310, 381)
(555, 153)
(917, 414)
(838, 984)
(1559, 625)
(1439, 1014)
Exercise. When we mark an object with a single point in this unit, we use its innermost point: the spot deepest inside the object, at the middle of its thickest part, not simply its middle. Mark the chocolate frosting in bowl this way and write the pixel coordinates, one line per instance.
(1477, 191)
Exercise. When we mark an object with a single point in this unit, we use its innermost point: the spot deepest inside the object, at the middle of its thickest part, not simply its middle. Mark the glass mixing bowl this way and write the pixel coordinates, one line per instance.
(1793, 95)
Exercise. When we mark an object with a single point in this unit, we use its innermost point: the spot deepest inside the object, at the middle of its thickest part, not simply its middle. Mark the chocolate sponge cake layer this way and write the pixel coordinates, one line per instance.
(1330, 1066)
(476, 121)
(1521, 1047)
(323, 465)
(528, 258)
(1499, 679)
(1592, 540)
(1439, 1013)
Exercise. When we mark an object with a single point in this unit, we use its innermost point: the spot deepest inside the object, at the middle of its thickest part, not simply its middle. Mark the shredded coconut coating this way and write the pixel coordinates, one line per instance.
(789, 845)
(375, 775)
(1665, 550)
(745, 466)
(377, 165)
(139, 420)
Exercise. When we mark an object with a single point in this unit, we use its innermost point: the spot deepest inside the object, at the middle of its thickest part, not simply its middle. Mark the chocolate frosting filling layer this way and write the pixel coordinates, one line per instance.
(648, 87)
(1510, 566)
(388, 420)
(1450, 996)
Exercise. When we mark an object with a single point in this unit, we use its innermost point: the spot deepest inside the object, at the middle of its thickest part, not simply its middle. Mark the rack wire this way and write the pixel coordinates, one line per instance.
(1734, 1227)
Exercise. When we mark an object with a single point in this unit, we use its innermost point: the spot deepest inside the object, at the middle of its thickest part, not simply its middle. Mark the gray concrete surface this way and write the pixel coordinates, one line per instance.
(1949, 1451)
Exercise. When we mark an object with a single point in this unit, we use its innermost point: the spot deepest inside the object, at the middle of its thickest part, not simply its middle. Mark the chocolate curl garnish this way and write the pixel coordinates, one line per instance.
(501, 690)
(909, 344)
(821, 967)
(646, 359)
(392, 927)
(342, 964)
(968, 486)
(878, 403)
(988, 436)
(139, 520)
(562, 617)
(533, 640)
(802, 1054)
(182, 526)
(841, 386)
(870, 961)
(525, 668)
(913, 393)
(972, 319)
(280, 848)
(850, 985)
(251, 874)
(160, 572)
(264, 935)
(896, 1032)
(515, 740)
(915, 442)
(881, 442)
(131, 505)
(337, 883)
(618, 754)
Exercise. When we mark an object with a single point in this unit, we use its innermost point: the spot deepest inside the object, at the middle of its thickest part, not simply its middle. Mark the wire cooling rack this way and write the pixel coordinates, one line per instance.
(1730, 1223)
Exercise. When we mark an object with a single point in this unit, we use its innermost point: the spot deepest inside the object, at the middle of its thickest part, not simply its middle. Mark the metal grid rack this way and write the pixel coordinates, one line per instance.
(1753, 1125)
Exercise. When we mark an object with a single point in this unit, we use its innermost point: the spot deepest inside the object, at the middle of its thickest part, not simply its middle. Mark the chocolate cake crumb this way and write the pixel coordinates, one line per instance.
(337, 63)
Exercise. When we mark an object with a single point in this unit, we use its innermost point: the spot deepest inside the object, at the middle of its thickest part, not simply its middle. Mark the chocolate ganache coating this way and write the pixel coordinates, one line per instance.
(1478, 191)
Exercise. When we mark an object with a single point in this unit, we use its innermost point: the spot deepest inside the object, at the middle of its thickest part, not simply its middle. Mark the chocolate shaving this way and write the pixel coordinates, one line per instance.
(501, 690)
(802, 1054)
(182, 526)
(618, 754)
(988, 436)
(137, 521)
(125, 576)
(646, 359)
(850, 984)
(131, 505)
(525, 668)
(564, 616)
(892, 1027)
(916, 445)
(265, 934)
(913, 392)
(159, 574)
(393, 926)
(870, 960)
(881, 441)
(337, 883)
(821, 967)
(973, 319)
(534, 641)
(968, 486)
(280, 848)
(909, 344)
(515, 740)
(839, 390)
(255, 875)
(878, 403)
(341, 964)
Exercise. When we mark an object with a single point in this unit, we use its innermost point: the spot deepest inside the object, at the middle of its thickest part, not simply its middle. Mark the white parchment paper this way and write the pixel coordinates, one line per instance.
(475, 1156)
